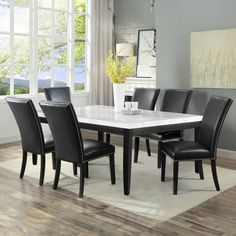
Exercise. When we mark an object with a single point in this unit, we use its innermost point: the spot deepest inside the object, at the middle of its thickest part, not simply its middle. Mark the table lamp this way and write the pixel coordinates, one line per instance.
(124, 49)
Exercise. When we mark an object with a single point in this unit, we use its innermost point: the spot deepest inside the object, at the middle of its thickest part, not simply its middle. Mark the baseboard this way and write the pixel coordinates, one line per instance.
(220, 152)
(226, 153)
(9, 139)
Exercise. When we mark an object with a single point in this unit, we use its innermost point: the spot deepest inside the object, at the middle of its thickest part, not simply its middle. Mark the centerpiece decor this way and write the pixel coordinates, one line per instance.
(117, 71)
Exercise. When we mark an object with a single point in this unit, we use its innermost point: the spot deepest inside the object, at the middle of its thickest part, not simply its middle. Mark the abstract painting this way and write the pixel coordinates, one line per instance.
(213, 59)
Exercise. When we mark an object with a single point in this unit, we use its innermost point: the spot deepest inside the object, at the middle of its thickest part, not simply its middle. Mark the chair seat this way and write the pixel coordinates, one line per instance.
(163, 135)
(184, 150)
(94, 149)
(49, 143)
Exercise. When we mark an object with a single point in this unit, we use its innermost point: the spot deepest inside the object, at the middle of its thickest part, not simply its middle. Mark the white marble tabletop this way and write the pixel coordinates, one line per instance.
(105, 116)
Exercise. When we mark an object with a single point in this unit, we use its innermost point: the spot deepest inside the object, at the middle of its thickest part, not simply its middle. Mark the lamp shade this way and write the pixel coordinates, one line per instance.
(124, 49)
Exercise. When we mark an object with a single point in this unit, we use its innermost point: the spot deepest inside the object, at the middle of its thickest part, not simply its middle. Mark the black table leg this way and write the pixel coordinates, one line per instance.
(127, 160)
(196, 132)
(100, 136)
(198, 164)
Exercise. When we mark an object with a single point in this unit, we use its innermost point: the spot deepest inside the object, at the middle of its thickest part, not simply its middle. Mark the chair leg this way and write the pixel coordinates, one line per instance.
(214, 174)
(53, 161)
(86, 170)
(112, 168)
(108, 138)
(159, 155)
(75, 168)
(34, 159)
(163, 166)
(57, 174)
(196, 167)
(23, 164)
(175, 175)
(200, 170)
(136, 149)
(42, 170)
(81, 185)
(148, 147)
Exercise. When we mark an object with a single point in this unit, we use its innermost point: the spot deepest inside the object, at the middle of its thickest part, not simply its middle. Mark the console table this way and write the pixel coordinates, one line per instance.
(135, 82)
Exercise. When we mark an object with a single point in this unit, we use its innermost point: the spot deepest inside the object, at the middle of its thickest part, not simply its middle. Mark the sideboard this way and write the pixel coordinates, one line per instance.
(137, 82)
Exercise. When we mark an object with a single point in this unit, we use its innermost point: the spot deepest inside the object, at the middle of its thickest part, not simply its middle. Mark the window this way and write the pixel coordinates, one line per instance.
(42, 44)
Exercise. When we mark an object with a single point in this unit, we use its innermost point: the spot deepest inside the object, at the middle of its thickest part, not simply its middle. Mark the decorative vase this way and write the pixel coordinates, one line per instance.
(119, 96)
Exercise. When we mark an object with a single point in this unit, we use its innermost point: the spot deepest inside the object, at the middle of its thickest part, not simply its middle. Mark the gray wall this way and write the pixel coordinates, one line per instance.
(174, 21)
(132, 15)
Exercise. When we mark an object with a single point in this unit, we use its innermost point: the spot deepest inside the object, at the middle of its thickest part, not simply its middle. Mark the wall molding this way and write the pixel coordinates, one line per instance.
(10, 139)
(220, 152)
(226, 153)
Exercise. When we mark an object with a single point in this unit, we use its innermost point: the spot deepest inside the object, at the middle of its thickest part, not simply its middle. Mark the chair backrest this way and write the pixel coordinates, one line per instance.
(176, 100)
(28, 123)
(58, 94)
(146, 98)
(65, 130)
(212, 122)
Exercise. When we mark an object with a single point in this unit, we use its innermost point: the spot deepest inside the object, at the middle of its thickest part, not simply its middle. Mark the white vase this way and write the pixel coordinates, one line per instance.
(119, 96)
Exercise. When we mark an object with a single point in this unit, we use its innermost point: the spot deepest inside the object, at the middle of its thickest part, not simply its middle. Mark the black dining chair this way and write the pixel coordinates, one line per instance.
(58, 94)
(174, 100)
(206, 145)
(146, 98)
(69, 145)
(61, 94)
(32, 137)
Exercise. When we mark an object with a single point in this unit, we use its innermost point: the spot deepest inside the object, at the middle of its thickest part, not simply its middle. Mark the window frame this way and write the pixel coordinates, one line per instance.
(33, 35)
(86, 41)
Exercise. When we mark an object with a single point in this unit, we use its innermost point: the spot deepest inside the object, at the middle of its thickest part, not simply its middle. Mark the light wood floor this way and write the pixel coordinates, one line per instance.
(27, 209)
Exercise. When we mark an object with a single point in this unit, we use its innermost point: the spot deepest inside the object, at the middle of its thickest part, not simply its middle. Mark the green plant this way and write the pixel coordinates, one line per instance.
(118, 70)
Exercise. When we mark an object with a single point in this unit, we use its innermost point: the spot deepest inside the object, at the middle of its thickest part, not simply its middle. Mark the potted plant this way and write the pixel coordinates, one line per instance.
(117, 71)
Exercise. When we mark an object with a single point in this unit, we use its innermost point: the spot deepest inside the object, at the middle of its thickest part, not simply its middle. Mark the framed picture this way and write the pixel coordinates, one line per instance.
(146, 53)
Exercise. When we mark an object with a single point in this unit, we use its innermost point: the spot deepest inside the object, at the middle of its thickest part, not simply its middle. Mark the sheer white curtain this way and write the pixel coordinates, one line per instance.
(101, 32)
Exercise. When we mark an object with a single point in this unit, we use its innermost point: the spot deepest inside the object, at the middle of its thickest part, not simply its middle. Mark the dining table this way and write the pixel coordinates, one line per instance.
(104, 119)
